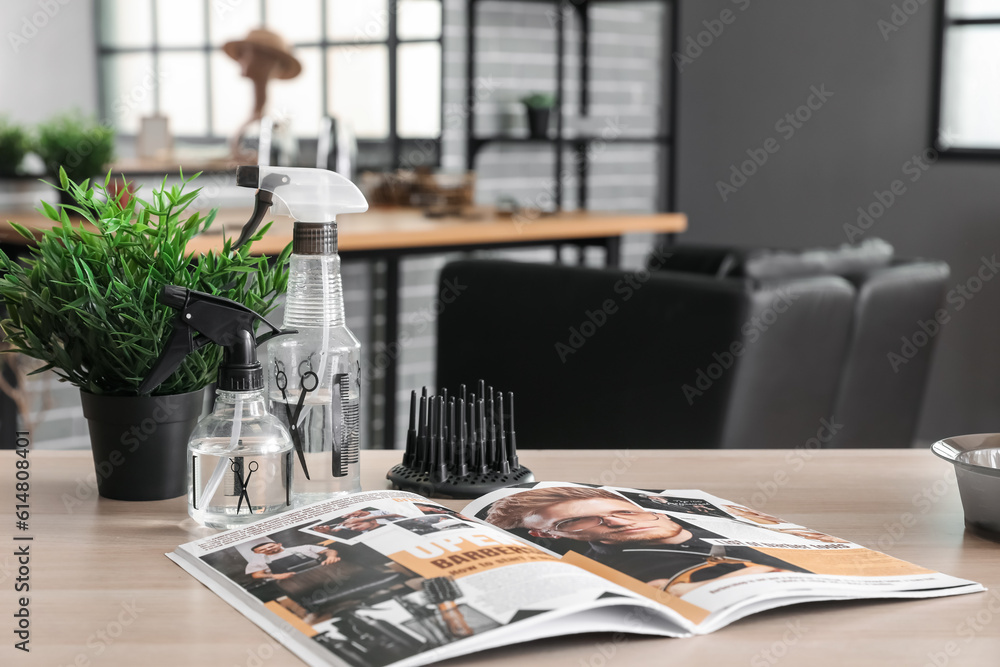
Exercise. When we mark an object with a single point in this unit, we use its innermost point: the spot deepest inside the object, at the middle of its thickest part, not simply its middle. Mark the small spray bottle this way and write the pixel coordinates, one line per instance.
(240, 456)
(314, 375)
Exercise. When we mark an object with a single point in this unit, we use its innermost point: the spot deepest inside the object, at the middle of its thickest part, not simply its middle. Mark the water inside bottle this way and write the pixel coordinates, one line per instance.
(231, 490)
(329, 429)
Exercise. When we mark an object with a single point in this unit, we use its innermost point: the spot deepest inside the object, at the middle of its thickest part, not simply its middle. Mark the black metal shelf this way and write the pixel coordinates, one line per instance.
(669, 96)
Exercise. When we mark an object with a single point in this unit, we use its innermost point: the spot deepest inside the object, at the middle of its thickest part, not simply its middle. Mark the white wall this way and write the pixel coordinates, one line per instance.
(48, 58)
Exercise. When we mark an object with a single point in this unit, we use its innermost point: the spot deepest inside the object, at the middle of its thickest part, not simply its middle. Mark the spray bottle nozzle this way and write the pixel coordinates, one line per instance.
(174, 296)
(307, 195)
(202, 319)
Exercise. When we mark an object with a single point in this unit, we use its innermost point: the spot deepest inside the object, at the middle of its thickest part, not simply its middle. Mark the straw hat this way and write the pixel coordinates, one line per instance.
(270, 43)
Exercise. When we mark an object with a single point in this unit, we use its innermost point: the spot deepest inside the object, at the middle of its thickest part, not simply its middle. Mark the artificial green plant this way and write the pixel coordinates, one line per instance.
(83, 147)
(539, 101)
(86, 301)
(14, 145)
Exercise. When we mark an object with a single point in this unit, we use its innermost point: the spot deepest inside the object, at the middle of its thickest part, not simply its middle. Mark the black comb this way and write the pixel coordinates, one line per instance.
(458, 448)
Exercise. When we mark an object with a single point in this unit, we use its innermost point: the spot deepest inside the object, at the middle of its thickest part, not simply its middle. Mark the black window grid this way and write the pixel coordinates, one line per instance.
(369, 149)
(945, 24)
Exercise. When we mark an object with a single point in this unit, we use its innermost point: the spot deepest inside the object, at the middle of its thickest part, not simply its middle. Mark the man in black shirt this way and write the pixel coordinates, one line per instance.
(650, 546)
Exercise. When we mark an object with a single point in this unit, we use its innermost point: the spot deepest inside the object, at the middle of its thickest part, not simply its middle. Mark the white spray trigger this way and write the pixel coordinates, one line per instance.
(311, 195)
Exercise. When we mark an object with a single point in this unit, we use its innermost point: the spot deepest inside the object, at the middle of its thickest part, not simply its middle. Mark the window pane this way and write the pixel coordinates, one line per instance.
(970, 95)
(357, 20)
(297, 21)
(232, 95)
(183, 96)
(418, 87)
(419, 19)
(126, 23)
(973, 9)
(359, 88)
(181, 22)
(300, 100)
(129, 81)
(229, 20)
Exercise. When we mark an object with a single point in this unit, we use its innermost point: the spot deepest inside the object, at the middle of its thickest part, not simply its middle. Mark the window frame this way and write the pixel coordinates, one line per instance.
(394, 144)
(942, 25)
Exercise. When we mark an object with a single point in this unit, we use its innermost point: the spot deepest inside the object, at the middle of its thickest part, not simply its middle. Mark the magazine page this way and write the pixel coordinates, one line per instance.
(720, 559)
(388, 577)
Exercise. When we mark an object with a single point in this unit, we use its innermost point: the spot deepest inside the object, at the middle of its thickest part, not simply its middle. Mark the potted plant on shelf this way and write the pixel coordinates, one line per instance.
(14, 144)
(80, 146)
(539, 108)
(87, 303)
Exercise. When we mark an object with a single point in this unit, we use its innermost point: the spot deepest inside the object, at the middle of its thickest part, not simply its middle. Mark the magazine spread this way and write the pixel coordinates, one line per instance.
(388, 577)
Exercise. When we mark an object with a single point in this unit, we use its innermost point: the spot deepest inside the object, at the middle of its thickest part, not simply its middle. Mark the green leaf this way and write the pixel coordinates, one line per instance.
(22, 231)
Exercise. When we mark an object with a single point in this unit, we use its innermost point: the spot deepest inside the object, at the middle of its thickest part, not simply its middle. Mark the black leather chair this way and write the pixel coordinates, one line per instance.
(617, 359)
(879, 396)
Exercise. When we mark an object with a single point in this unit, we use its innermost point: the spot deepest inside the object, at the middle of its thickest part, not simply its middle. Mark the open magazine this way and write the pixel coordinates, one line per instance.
(390, 578)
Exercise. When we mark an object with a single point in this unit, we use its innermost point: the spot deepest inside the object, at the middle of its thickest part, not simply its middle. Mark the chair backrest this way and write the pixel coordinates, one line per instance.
(897, 321)
(894, 328)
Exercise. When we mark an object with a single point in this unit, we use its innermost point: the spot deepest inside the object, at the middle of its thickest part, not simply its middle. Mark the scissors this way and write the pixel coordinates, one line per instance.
(281, 380)
(244, 483)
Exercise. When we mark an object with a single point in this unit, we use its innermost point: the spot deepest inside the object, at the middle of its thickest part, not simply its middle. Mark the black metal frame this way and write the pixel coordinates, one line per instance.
(669, 95)
(943, 24)
(392, 42)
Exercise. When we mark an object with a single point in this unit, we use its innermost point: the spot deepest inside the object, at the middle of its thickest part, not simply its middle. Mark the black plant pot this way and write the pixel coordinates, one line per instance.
(538, 122)
(140, 443)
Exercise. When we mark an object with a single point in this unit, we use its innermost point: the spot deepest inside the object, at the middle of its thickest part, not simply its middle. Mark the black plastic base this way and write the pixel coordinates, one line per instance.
(472, 485)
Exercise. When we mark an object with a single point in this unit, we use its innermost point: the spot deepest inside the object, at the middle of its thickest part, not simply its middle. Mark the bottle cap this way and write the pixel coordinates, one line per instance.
(240, 370)
(241, 378)
(314, 238)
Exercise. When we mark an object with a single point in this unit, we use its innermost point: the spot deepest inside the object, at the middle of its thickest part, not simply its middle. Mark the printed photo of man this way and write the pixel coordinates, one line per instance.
(434, 509)
(357, 523)
(272, 560)
(655, 548)
(753, 515)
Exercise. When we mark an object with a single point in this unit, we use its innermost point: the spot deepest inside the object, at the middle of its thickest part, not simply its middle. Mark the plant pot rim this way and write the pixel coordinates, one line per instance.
(90, 393)
(129, 408)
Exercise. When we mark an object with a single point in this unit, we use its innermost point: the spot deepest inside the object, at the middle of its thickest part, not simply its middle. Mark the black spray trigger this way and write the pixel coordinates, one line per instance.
(249, 177)
(202, 319)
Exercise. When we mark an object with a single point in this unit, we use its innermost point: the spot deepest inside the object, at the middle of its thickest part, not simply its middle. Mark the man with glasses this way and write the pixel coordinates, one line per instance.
(653, 547)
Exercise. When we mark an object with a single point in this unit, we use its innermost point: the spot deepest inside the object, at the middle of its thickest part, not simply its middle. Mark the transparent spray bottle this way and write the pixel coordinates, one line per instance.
(315, 374)
(240, 456)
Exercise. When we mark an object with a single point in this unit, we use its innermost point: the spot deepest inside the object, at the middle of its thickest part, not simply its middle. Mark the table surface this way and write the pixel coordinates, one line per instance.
(399, 228)
(94, 561)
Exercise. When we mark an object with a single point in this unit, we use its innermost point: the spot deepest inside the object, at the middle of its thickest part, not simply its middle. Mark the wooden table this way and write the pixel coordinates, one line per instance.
(92, 559)
(383, 231)
(389, 234)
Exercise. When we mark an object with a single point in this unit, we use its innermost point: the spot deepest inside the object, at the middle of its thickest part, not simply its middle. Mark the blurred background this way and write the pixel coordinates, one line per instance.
(891, 91)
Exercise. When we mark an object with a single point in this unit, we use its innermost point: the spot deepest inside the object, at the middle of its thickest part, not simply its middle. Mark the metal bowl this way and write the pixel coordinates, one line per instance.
(977, 467)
